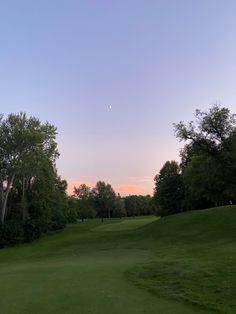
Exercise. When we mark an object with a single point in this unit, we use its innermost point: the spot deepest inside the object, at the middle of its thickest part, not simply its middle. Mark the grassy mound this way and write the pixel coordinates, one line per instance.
(195, 259)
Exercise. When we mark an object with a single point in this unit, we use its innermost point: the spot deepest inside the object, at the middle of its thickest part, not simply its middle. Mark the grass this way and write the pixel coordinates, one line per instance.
(126, 224)
(195, 259)
(187, 262)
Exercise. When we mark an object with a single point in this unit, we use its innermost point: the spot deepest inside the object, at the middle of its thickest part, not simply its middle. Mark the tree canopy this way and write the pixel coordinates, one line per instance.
(207, 169)
(168, 192)
(32, 196)
(209, 157)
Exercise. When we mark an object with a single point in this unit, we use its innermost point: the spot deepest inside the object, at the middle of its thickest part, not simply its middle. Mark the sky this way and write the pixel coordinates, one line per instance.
(154, 62)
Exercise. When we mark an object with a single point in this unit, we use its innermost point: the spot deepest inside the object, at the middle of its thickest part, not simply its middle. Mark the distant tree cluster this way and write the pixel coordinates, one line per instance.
(206, 175)
(102, 202)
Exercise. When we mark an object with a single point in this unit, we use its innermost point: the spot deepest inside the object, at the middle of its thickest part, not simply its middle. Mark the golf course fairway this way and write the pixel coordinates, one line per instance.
(95, 267)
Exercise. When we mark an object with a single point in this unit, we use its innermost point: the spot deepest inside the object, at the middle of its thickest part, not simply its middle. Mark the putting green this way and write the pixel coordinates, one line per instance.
(126, 224)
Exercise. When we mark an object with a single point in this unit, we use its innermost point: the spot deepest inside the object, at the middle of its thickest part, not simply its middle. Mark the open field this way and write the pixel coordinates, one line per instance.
(187, 262)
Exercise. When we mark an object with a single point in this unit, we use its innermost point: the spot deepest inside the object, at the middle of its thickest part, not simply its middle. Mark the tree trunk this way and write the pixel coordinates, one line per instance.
(2, 196)
(2, 192)
(23, 200)
(5, 198)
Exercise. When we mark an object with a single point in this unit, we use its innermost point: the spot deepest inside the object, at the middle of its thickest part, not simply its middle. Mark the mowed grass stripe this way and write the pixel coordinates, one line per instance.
(126, 224)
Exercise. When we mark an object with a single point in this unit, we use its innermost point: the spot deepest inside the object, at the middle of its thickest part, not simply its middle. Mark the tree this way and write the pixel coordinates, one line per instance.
(136, 205)
(119, 207)
(169, 189)
(209, 157)
(33, 197)
(145, 205)
(26, 145)
(72, 210)
(83, 194)
(104, 199)
(131, 205)
(211, 130)
(47, 202)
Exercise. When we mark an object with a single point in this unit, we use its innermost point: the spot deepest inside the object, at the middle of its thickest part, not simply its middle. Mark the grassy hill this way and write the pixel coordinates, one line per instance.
(186, 261)
(195, 258)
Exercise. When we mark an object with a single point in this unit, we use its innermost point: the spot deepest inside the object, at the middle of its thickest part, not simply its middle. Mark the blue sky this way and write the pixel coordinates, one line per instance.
(155, 62)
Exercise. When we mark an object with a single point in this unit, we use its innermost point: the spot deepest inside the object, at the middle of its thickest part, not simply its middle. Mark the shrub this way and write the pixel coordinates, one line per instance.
(33, 228)
(11, 233)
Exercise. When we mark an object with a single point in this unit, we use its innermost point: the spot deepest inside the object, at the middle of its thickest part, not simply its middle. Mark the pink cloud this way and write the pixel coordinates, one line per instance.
(126, 189)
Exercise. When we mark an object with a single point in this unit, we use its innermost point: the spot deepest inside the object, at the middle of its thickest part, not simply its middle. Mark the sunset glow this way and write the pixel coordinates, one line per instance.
(122, 189)
(114, 84)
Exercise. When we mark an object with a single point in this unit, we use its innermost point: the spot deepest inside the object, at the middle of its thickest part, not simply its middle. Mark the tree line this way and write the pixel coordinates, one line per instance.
(102, 201)
(206, 174)
(33, 198)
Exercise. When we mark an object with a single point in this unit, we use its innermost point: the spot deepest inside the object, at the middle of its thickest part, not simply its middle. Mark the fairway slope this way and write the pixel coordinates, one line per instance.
(126, 224)
(195, 258)
(81, 271)
(186, 261)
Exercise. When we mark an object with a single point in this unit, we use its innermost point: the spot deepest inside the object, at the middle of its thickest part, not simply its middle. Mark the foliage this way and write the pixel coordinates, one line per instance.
(103, 202)
(131, 204)
(33, 228)
(119, 207)
(169, 189)
(33, 197)
(104, 199)
(209, 157)
(26, 144)
(84, 201)
(207, 171)
(11, 233)
(71, 212)
(137, 205)
(210, 131)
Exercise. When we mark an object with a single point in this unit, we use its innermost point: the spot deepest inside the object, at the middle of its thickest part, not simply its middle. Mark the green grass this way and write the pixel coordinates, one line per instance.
(195, 259)
(126, 224)
(187, 262)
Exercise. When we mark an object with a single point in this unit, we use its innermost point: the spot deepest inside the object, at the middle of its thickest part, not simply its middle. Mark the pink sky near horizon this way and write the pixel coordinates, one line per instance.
(123, 189)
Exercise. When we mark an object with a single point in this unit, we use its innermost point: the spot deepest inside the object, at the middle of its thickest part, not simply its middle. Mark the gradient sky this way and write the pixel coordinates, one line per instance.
(155, 62)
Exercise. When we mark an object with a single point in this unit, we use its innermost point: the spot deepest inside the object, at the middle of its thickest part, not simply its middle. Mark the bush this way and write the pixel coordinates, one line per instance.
(33, 229)
(11, 233)
(71, 215)
(58, 220)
